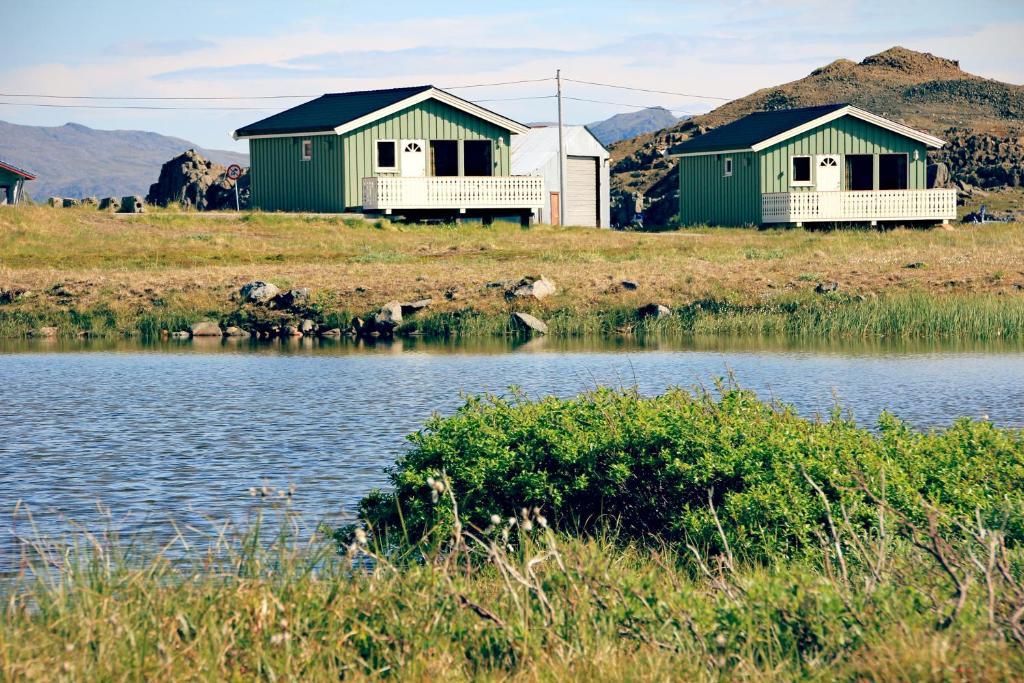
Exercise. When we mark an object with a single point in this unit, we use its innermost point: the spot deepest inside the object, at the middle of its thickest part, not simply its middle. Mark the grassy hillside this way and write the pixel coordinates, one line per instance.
(77, 161)
(983, 118)
(86, 270)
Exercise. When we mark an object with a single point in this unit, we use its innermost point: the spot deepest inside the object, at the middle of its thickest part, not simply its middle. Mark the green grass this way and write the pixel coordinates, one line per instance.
(895, 576)
(132, 274)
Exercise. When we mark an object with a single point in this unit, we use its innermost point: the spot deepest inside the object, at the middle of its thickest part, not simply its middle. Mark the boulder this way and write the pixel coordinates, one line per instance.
(132, 204)
(389, 314)
(259, 292)
(938, 175)
(110, 204)
(180, 334)
(291, 298)
(234, 331)
(826, 287)
(330, 332)
(68, 203)
(44, 333)
(453, 293)
(630, 285)
(90, 201)
(531, 287)
(55, 202)
(413, 307)
(524, 322)
(291, 331)
(307, 327)
(185, 180)
(206, 328)
(654, 311)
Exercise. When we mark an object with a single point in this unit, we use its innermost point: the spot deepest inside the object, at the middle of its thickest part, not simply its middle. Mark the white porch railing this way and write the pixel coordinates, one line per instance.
(453, 192)
(876, 205)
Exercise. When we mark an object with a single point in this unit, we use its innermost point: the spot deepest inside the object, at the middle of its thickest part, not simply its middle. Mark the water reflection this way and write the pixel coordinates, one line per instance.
(183, 429)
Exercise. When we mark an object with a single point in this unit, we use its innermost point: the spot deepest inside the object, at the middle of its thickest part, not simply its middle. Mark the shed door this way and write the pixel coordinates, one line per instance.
(581, 197)
(414, 158)
(828, 175)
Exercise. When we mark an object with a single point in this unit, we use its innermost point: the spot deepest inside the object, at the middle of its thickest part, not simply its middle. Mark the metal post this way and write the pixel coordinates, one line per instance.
(561, 154)
(237, 205)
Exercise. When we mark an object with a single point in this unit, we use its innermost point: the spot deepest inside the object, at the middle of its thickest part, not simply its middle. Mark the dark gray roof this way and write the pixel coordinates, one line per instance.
(27, 175)
(752, 129)
(329, 111)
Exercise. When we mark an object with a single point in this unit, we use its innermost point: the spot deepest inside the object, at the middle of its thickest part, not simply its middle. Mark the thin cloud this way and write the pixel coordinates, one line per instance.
(159, 48)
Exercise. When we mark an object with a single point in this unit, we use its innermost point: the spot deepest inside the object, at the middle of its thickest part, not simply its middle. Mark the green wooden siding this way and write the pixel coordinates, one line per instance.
(10, 181)
(708, 197)
(282, 181)
(332, 180)
(847, 135)
(429, 120)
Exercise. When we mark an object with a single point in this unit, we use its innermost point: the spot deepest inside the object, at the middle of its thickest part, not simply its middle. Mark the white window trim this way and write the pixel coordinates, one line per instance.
(376, 164)
(810, 165)
(727, 167)
(306, 157)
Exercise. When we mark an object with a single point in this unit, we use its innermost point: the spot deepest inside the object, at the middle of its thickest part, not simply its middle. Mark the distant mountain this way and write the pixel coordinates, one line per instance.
(982, 118)
(623, 126)
(77, 161)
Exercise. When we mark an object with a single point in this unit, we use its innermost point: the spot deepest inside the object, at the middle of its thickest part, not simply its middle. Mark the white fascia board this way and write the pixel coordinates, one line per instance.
(441, 96)
(716, 151)
(879, 121)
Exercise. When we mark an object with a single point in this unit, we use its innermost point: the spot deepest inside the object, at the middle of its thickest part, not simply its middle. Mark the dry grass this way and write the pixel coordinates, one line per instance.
(81, 259)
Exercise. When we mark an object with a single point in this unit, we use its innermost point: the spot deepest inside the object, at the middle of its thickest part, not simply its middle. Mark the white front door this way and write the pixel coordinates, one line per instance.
(828, 176)
(414, 158)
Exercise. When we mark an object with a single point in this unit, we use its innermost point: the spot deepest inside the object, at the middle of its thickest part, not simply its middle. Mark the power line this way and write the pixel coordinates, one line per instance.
(517, 99)
(658, 92)
(49, 96)
(128, 106)
(112, 97)
(636, 106)
(488, 85)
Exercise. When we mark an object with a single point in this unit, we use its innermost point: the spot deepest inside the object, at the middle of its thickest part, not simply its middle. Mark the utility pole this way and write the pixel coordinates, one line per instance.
(561, 153)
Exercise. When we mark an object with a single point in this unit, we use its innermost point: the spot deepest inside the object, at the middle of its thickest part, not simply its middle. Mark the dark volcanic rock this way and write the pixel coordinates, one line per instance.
(192, 181)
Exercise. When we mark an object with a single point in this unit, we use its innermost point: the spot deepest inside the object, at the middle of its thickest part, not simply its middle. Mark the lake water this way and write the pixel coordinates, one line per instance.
(183, 430)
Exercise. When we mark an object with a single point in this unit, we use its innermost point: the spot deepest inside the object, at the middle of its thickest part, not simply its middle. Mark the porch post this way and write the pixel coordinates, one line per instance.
(874, 172)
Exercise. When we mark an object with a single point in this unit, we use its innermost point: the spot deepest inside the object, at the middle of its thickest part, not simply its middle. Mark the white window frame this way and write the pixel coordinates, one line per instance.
(727, 167)
(792, 171)
(307, 156)
(376, 154)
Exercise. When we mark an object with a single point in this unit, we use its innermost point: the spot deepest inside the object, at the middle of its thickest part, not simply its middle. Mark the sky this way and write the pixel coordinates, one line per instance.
(707, 50)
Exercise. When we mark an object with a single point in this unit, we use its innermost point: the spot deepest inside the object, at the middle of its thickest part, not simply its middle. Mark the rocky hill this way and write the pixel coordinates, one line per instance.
(983, 119)
(77, 161)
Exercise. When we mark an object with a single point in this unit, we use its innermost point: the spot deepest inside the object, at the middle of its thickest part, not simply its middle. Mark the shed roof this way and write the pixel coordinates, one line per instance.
(18, 171)
(340, 112)
(765, 128)
(534, 148)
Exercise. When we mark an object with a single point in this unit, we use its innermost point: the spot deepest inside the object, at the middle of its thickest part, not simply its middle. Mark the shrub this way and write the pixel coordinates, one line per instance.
(676, 467)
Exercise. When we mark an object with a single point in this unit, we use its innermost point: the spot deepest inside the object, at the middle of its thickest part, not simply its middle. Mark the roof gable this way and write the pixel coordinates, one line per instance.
(339, 113)
(17, 171)
(760, 130)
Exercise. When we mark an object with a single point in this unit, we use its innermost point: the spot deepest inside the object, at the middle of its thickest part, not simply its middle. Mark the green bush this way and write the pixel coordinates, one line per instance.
(649, 466)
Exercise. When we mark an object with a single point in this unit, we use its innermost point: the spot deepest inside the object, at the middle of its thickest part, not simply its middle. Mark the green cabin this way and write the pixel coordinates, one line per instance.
(828, 164)
(12, 183)
(417, 150)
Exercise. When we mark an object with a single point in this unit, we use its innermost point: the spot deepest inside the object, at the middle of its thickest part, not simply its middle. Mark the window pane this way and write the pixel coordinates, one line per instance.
(892, 171)
(444, 157)
(385, 154)
(477, 158)
(860, 172)
(801, 169)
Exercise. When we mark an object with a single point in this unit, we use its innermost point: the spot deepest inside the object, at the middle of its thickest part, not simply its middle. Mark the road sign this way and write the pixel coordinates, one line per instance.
(234, 171)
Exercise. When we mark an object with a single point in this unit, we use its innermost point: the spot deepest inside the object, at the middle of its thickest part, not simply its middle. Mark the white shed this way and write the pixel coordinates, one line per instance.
(587, 200)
